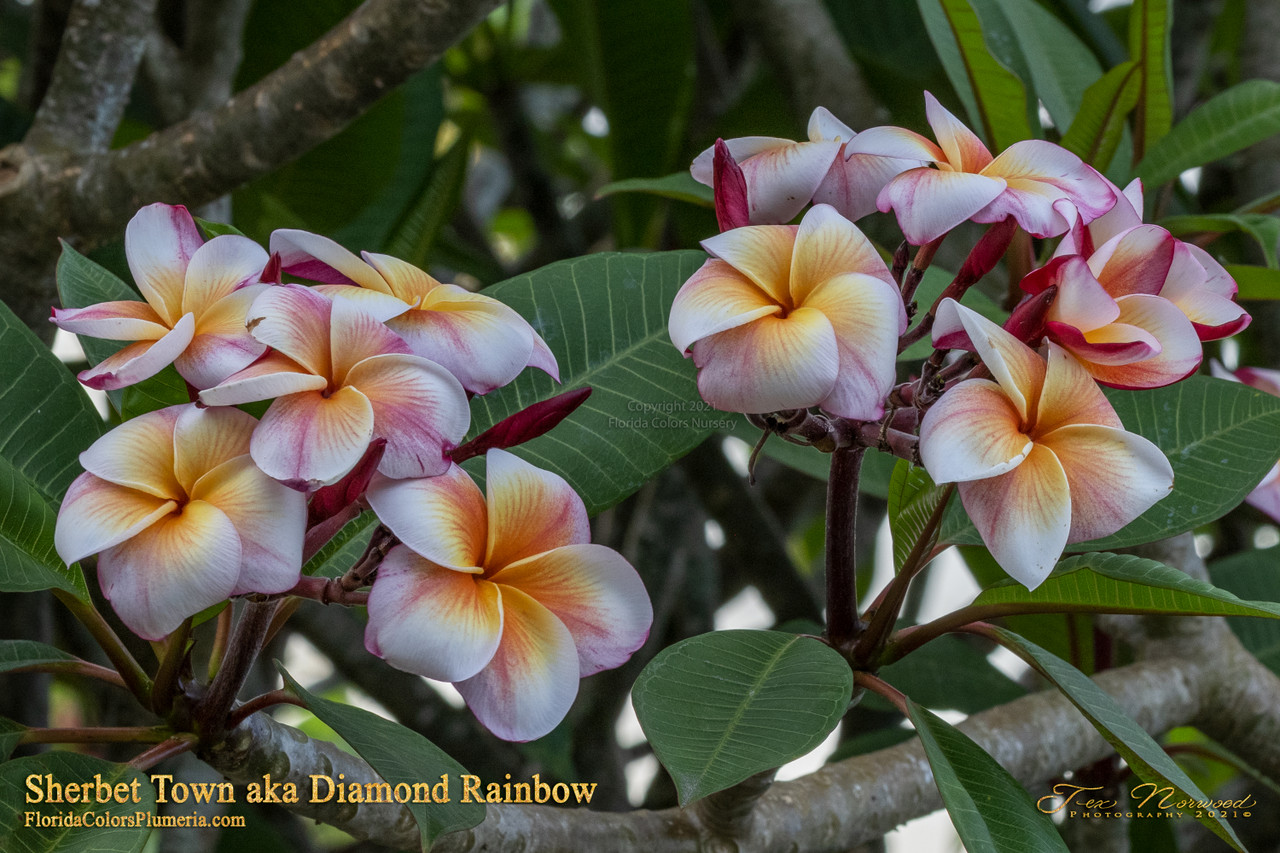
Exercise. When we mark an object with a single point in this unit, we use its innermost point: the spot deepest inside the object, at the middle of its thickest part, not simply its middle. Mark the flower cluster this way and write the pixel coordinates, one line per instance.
(786, 317)
(371, 362)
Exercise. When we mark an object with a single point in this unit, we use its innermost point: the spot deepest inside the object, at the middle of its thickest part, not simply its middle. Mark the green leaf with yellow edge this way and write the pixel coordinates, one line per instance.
(1150, 25)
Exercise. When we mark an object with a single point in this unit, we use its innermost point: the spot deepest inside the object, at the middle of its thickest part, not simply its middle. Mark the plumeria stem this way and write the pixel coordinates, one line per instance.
(135, 678)
(221, 637)
(87, 734)
(175, 745)
(76, 667)
(842, 507)
(924, 257)
(171, 663)
(246, 642)
(260, 702)
(327, 591)
(882, 688)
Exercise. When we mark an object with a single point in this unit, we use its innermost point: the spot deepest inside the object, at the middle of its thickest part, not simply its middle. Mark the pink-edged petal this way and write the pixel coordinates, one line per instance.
(1081, 302)
(139, 454)
(218, 268)
(716, 298)
(964, 151)
(381, 305)
(529, 686)
(1040, 173)
(1015, 366)
(1114, 476)
(140, 361)
(406, 281)
(418, 407)
(355, 335)
(205, 438)
(1126, 214)
(1266, 497)
(770, 364)
(432, 621)
(853, 183)
(126, 320)
(595, 593)
(159, 242)
(1260, 378)
(270, 518)
(222, 344)
(894, 142)
(973, 432)
(1070, 396)
(530, 510)
(1180, 352)
(703, 167)
(762, 253)
(1135, 261)
(96, 515)
(294, 320)
(781, 181)
(1024, 516)
(828, 245)
(309, 440)
(175, 568)
(930, 202)
(1203, 290)
(320, 259)
(824, 125)
(482, 342)
(1216, 278)
(442, 518)
(867, 316)
(1113, 344)
(273, 375)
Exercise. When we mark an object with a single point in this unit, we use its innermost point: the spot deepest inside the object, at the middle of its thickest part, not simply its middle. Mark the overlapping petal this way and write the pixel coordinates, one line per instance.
(781, 175)
(218, 268)
(715, 299)
(930, 202)
(1180, 353)
(294, 321)
(127, 320)
(1038, 174)
(309, 440)
(530, 510)
(761, 253)
(159, 242)
(442, 518)
(96, 515)
(972, 433)
(317, 258)
(141, 360)
(273, 375)
(1018, 371)
(1204, 291)
(862, 310)
(138, 454)
(221, 345)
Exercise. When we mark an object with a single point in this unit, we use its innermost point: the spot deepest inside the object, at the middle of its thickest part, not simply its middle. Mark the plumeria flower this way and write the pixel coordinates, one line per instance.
(783, 176)
(481, 341)
(180, 517)
(787, 317)
(1266, 496)
(1039, 455)
(966, 182)
(196, 295)
(341, 379)
(501, 593)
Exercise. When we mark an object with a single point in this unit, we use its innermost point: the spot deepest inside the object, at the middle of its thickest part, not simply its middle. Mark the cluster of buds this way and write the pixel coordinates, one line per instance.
(369, 369)
(790, 317)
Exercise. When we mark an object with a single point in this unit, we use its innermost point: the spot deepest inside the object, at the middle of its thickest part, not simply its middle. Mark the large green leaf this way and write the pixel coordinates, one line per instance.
(723, 706)
(1263, 228)
(341, 552)
(46, 419)
(678, 185)
(1220, 437)
(28, 561)
(1144, 756)
(1229, 121)
(605, 318)
(1099, 125)
(951, 672)
(70, 767)
(10, 734)
(990, 809)
(1150, 25)
(1255, 282)
(1252, 574)
(913, 498)
(19, 654)
(398, 755)
(993, 95)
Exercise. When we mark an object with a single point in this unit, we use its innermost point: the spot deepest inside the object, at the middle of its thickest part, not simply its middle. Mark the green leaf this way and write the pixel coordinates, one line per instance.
(416, 234)
(341, 552)
(1149, 30)
(68, 767)
(912, 500)
(1261, 227)
(877, 467)
(20, 654)
(995, 98)
(1229, 121)
(216, 229)
(1099, 125)
(28, 561)
(678, 185)
(1143, 755)
(951, 672)
(1255, 282)
(1220, 437)
(605, 318)
(46, 419)
(398, 755)
(1252, 575)
(10, 734)
(991, 811)
(723, 706)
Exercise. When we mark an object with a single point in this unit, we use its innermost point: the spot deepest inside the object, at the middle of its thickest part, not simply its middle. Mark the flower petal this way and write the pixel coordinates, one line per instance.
(295, 321)
(824, 125)
(930, 202)
(127, 320)
(96, 515)
(828, 245)
(530, 511)
(138, 454)
(853, 183)
(384, 306)
(964, 151)
(595, 593)
(1024, 516)
(442, 518)
(273, 375)
(1203, 290)
(1082, 302)
(1134, 261)
(158, 243)
(140, 361)
(175, 568)
(894, 142)
(1070, 396)
(354, 335)
(204, 438)
(1266, 497)
(1113, 476)
(716, 298)
(762, 253)
(529, 686)
(1040, 173)
(867, 316)
(418, 407)
(1180, 352)
(219, 267)
(973, 432)
(309, 440)
(320, 259)
(1115, 343)
(1015, 366)
(222, 344)
(426, 619)
(770, 364)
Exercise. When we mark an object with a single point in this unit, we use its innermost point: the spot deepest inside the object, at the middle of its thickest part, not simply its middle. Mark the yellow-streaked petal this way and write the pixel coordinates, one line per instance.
(141, 360)
(1013, 364)
(96, 515)
(716, 298)
(384, 306)
(159, 242)
(404, 280)
(965, 152)
(126, 320)
(973, 432)
(204, 438)
(317, 258)
(354, 335)
(273, 375)
(1070, 396)
(828, 245)
(762, 253)
(530, 511)
(139, 454)
(293, 320)
(1180, 350)
(309, 440)
(442, 518)
(219, 267)
(222, 344)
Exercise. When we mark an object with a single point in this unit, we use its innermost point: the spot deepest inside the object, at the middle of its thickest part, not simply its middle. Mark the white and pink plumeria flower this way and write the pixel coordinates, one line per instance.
(1266, 495)
(1039, 454)
(197, 295)
(341, 379)
(965, 182)
(783, 176)
(180, 517)
(788, 317)
(502, 593)
(481, 341)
